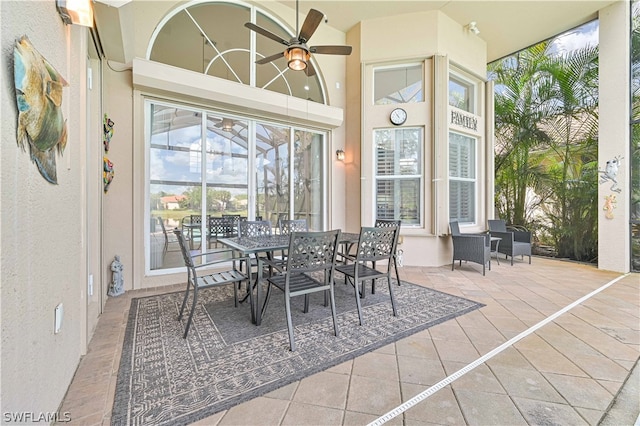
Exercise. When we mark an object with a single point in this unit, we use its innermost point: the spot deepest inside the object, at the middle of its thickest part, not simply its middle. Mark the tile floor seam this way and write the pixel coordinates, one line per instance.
(600, 328)
(569, 403)
(566, 401)
(587, 344)
(618, 394)
(285, 411)
(462, 412)
(554, 347)
(511, 397)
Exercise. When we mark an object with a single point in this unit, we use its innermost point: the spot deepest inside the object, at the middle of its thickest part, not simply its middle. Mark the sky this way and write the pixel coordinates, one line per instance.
(582, 36)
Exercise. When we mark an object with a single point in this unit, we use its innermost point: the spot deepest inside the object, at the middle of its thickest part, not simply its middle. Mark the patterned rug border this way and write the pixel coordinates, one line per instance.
(120, 412)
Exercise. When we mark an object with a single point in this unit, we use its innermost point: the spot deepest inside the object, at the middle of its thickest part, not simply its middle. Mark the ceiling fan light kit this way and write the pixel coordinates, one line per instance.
(297, 52)
(297, 58)
(227, 124)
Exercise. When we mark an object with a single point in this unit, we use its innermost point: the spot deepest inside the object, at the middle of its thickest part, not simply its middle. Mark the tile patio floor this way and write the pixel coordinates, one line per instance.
(577, 369)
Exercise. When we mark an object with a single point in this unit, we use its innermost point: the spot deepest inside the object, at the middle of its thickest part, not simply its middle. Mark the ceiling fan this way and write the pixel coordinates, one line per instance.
(297, 52)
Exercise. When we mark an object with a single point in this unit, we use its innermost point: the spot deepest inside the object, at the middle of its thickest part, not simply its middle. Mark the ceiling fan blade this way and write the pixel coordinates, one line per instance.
(309, 70)
(266, 33)
(311, 22)
(331, 50)
(270, 58)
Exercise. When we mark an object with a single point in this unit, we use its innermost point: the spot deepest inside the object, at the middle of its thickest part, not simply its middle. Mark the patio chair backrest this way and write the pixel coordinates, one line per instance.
(186, 254)
(254, 228)
(161, 222)
(287, 226)
(497, 225)
(377, 244)
(455, 228)
(312, 251)
(221, 227)
(383, 223)
(164, 232)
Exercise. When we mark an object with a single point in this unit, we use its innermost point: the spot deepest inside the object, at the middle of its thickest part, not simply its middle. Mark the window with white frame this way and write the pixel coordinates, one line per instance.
(461, 93)
(398, 174)
(398, 85)
(462, 178)
(210, 37)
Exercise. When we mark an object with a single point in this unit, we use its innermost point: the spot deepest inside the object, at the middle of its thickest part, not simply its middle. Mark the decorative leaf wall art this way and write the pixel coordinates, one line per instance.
(41, 125)
(107, 173)
(107, 126)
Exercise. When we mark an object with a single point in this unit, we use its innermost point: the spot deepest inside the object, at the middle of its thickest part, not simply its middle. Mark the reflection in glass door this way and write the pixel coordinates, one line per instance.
(175, 181)
(289, 176)
(307, 178)
(227, 174)
(272, 172)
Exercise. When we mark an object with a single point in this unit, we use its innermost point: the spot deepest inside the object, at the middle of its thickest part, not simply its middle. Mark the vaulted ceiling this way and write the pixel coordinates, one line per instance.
(506, 26)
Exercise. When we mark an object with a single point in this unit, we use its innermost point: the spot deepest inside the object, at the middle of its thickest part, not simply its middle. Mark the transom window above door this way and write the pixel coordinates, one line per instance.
(210, 37)
(398, 84)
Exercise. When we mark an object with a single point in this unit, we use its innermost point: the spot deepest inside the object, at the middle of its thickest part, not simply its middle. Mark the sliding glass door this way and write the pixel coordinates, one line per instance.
(188, 147)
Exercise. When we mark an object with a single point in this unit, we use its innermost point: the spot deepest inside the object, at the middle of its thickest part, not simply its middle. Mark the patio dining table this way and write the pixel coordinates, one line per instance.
(253, 246)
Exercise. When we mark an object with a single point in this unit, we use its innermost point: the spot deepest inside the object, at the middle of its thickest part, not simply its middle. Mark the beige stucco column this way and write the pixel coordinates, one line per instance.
(613, 139)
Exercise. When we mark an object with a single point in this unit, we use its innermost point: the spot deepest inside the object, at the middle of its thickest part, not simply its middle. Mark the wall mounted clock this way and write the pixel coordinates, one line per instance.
(398, 116)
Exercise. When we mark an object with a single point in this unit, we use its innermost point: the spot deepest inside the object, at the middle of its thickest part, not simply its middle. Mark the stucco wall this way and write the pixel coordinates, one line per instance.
(42, 260)
(439, 42)
(614, 251)
(118, 200)
(124, 212)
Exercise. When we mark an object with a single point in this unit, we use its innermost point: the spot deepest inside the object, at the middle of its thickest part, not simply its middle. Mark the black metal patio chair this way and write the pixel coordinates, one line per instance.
(381, 223)
(310, 268)
(168, 239)
(197, 280)
(374, 245)
(220, 227)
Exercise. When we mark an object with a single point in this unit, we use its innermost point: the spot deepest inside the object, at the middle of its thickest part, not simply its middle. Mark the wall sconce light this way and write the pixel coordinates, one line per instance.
(340, 155)
(79, 12)
(297, 57)
(473, 27)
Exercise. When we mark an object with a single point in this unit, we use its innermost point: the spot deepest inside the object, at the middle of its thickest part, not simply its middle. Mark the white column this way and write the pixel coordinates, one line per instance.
(613, 139)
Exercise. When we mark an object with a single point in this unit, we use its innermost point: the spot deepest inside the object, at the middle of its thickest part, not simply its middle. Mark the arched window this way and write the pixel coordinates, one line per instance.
(210, 37)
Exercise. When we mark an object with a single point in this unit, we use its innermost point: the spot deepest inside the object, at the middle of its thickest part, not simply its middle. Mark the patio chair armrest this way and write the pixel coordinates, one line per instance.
(520, 233)
(522, 236)
(506, 238)
(214, 252)
(484, 240)
(277, 264)
(347, 256)
(221, 256)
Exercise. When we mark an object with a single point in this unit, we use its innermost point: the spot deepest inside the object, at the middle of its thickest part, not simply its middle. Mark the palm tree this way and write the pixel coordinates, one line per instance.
(571, 211)
(521, 91)
(546, 145)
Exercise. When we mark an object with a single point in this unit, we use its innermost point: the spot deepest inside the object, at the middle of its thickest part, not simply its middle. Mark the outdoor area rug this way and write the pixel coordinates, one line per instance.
(167, 380)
